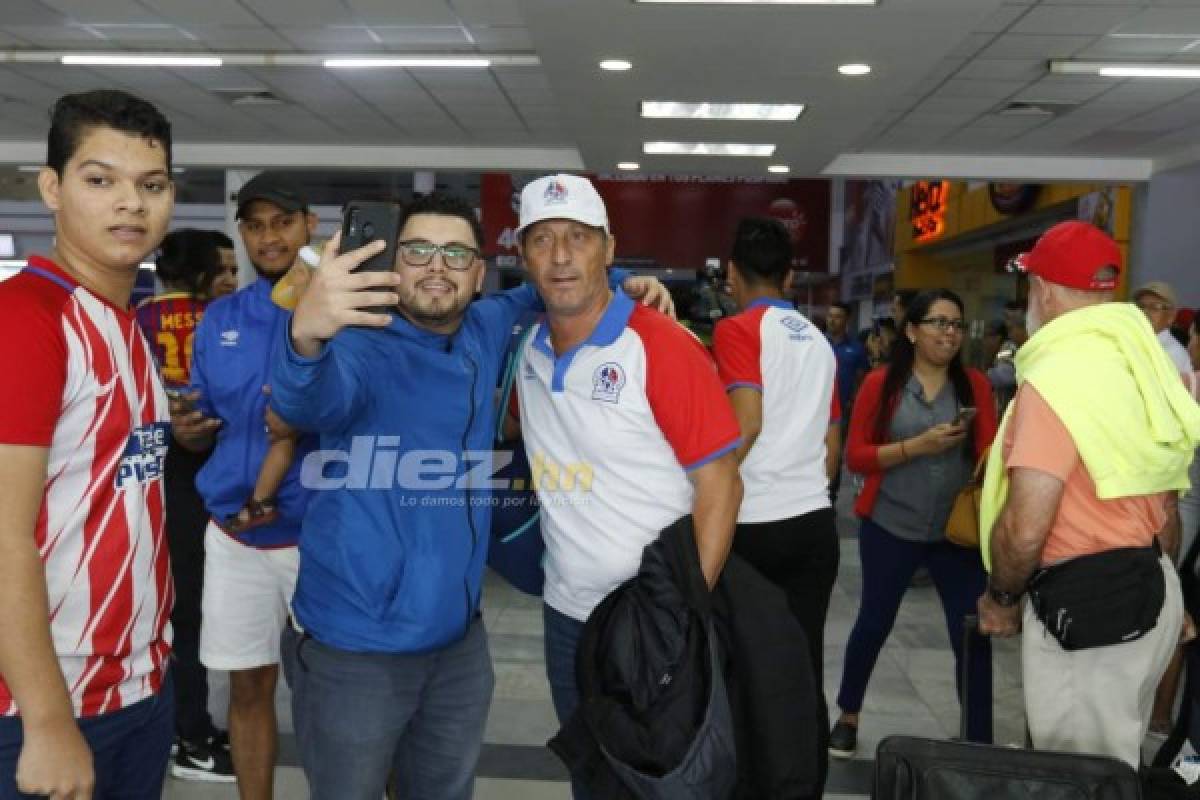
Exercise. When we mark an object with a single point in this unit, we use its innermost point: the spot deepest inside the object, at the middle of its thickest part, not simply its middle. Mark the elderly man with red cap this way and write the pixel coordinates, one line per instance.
(1079, 508)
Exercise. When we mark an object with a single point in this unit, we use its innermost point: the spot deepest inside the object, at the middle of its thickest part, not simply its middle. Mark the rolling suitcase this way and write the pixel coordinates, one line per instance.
(911, 768)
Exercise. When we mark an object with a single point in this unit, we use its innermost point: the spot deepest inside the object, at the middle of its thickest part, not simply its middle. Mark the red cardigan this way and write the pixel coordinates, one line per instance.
(862, 452)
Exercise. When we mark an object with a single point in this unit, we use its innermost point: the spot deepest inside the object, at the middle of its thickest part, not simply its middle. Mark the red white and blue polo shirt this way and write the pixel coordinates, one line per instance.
(771, 348)
(77, 377)
(612, 428)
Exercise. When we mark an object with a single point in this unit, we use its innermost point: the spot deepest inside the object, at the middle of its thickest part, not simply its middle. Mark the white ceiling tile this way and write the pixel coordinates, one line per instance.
(422, 36)
(954, 104)
(296, 12)
(1173, 21)
(29, 12)
(1074, 20)
(1146, 91)
(523, 78)
(127, 11)
(410, 12)
(56, 36)
(339, 36)
(143, 36)
(488, 12)
(1164, 120)
(1028, 46)
(992, 69)
(502, 38)
(208, 12)
(1118, 47)
(237, 37)
(995, 90)
(1001, 19)
(970, 45)
(1064, 89)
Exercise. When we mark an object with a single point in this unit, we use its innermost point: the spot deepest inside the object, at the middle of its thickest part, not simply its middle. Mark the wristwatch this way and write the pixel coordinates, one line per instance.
(1002, 598)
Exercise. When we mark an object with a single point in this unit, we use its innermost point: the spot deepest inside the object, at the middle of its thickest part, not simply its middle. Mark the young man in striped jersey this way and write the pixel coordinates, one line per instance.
(84, 573)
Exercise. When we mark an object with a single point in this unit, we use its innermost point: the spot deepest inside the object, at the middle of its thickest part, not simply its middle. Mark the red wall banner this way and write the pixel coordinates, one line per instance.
(678, 221)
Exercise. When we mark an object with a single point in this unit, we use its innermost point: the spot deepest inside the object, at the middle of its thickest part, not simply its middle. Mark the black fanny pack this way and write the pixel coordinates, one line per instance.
(1101, 599)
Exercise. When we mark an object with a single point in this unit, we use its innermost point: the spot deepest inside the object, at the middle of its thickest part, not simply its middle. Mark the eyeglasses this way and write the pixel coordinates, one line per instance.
(1155, 306)
(944, 324)
(420, 252)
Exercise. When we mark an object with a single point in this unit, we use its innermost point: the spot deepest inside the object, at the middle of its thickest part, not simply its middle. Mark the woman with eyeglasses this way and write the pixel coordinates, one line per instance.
(918, 428)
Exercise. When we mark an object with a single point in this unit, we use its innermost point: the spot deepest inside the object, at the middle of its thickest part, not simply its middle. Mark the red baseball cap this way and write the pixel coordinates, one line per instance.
(1073, 254)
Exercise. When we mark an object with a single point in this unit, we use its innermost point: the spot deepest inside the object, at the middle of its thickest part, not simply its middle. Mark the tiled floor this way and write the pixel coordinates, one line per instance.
(912, 691)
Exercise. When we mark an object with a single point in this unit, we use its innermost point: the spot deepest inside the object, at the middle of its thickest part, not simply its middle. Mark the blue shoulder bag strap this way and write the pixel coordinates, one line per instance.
(506, 388)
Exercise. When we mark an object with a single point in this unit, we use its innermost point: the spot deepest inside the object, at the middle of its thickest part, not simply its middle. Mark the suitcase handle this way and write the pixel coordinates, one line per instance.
(970, 627)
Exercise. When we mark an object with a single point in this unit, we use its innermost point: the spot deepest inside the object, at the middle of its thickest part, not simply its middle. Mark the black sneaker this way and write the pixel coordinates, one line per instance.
(219, 740)
(843, 740)
(198, 761)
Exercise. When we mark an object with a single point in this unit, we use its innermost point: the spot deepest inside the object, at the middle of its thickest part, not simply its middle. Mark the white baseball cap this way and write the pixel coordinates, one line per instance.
(562, 197)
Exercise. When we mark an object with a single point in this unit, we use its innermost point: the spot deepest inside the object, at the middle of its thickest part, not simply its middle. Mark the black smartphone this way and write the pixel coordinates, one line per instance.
(365, 221)
(965, 415)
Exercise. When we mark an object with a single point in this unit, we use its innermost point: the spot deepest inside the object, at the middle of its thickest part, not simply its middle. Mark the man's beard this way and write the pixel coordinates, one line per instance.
(444, 314)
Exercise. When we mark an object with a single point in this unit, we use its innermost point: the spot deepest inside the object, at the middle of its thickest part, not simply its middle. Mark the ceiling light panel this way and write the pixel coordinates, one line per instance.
(707, 149)
(1118, 69)
(409, 63)
(766, 112)
(136, 60)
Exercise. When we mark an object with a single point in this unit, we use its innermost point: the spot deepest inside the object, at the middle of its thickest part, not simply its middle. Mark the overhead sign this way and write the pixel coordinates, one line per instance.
(927, 210)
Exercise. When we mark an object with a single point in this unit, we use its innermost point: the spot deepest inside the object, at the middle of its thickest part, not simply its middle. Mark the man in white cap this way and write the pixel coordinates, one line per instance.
(625, 421)
(1157, 301)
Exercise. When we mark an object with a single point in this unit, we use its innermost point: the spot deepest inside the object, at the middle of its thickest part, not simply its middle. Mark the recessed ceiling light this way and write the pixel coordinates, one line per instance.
(741, 111)
(628, 165)
(855, 69)
(767, 2)
(779, 169)
(437, 63)
(142, 60)
(1117, 69)
(616, 64)
(707, 149)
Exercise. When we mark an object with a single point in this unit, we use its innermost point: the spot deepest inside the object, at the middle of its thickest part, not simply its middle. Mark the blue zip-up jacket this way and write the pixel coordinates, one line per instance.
(396, 536)
(394, 543)
(237, 343)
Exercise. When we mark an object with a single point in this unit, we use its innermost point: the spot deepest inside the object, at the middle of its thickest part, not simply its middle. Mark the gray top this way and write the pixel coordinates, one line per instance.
(915, 497)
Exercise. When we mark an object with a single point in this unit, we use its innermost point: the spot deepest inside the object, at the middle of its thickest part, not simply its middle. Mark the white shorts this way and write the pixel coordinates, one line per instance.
(247, 599)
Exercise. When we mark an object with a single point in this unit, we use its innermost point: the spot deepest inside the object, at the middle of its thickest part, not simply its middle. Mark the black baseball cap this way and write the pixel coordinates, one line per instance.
(274, 187)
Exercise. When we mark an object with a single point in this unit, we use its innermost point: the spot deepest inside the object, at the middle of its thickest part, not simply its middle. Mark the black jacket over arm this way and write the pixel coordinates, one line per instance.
(656, 719)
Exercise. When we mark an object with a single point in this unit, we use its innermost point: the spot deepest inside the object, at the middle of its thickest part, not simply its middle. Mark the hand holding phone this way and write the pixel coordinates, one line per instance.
(364, 222)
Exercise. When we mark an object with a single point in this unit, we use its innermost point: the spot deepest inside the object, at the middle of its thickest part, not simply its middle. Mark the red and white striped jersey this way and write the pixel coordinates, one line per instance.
(77, 377)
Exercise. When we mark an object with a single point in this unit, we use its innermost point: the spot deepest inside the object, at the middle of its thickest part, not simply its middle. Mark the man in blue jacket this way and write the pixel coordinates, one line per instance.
(249, 575)
(391, 671)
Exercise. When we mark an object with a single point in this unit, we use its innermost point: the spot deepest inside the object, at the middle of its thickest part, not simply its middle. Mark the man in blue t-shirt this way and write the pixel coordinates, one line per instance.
(852, 364)
(249, 574)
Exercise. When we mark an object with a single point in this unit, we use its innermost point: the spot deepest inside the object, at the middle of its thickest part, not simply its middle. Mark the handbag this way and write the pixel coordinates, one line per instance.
(962, 528)
(1101, 599)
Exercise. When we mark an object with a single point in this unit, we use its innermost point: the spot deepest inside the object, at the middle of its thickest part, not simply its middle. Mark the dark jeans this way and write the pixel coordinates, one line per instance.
(130, 749)
(888, 564)
(800, 556)
(186, 520)
(562, 640)
(361, 717)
